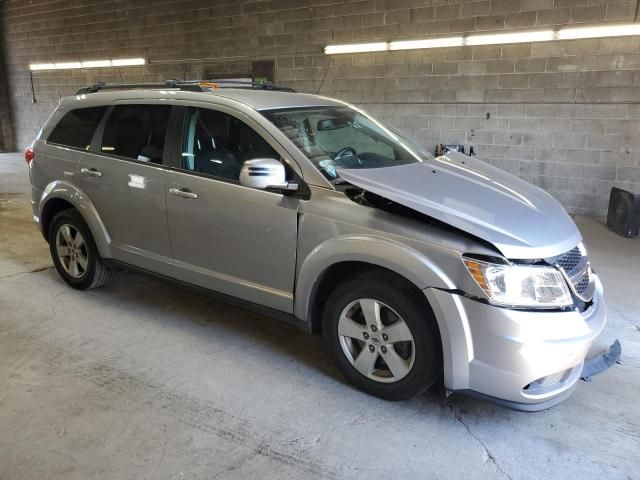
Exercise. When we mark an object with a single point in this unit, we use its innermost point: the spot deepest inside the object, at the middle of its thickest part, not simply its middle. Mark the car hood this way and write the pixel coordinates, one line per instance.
(520, 219)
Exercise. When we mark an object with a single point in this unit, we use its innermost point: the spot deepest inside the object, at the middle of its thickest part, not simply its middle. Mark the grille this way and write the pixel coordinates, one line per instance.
(575, 265)
(570, 261)
(583, 285)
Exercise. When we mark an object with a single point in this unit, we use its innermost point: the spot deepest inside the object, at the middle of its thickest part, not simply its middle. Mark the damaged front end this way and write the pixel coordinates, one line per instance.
(527, 355)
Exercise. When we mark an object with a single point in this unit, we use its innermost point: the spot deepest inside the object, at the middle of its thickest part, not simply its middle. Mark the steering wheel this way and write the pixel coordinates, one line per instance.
(344, 151)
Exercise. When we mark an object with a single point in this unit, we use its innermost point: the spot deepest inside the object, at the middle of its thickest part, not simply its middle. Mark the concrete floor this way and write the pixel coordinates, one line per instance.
(141, 379)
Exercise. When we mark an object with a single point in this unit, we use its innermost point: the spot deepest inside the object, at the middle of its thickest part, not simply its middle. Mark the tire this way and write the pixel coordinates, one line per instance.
(90, 271)
(397, 301)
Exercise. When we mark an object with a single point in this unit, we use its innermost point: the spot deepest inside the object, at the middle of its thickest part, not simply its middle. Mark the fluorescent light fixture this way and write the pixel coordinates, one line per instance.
(428, 43)
(67, 65)
(356, 48)
(96, 63)
(42, 66)
(128, 62)
(599, 32)
(116, 62)
(534, 36)
(518, 37)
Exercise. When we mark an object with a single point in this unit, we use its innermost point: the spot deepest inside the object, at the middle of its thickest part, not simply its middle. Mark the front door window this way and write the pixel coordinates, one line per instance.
(217, 144)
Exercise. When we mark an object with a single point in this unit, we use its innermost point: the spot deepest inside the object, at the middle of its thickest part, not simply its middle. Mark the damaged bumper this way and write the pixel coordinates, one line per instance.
(527, 360)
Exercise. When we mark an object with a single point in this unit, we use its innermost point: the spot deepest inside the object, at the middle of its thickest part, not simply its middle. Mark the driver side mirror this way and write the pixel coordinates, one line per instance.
(266, 174)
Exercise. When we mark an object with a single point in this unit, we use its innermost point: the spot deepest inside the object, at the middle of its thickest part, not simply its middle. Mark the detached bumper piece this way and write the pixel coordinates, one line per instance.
(602, 362)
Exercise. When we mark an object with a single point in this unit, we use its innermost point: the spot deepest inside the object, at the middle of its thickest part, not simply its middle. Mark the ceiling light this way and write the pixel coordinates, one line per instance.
(42, 66)
(118, 62)
(428, 43)
(598, 32)
(96, 63)
(356, 48)
(67, 65)
(569, 33)
(519, 37)
(128, 62)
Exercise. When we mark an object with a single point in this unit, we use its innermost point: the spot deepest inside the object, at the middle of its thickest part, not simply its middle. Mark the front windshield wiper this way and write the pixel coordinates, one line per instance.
(338, 181)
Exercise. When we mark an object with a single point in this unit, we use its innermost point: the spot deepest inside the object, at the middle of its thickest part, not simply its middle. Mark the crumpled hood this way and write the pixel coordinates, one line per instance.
(520, 219)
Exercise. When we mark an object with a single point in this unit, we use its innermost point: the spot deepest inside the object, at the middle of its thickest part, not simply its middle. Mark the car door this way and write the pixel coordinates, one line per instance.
(125, 176)
(226, 237)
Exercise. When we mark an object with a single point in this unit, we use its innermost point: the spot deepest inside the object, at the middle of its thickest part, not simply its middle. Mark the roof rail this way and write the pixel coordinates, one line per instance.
(97, 87)
(187, 85)
(239, 84)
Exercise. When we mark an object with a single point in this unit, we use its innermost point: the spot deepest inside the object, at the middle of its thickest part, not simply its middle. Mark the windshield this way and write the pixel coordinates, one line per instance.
(345, 138)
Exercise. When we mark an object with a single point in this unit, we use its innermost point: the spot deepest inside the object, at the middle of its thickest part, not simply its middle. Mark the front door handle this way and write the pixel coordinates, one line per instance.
(181, 192)
(92, 172)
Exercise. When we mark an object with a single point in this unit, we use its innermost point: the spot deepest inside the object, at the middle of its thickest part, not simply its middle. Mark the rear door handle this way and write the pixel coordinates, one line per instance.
(92, 172)
(181, 192)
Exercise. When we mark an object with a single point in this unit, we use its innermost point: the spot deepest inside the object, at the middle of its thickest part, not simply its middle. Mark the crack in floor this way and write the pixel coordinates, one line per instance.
(305, 447)
(17, 274)
(487, 452)
(624, 317)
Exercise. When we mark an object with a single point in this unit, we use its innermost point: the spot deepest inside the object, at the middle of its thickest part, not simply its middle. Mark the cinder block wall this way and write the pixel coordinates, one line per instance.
(6, 132)
(563, 115)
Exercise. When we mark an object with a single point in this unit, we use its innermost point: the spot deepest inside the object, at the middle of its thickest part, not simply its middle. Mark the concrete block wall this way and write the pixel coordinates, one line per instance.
(564, 115)
(6, 131)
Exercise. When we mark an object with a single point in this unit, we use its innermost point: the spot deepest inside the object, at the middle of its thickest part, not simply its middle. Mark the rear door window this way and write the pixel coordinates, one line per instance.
(77, 127)
(136, 132)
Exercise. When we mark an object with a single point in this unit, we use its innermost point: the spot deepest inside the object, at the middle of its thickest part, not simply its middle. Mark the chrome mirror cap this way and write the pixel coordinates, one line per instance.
(265, 174)
(262, 173)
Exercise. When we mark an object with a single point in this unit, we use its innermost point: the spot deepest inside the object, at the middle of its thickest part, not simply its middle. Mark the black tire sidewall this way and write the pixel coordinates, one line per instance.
(427, 366)
(73, 218)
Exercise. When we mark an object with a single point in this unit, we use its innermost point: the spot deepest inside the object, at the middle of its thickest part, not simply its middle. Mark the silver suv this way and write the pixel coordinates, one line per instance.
(414, 268)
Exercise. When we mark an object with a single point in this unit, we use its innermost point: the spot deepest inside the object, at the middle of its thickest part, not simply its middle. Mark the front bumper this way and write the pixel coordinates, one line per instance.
(528, 360)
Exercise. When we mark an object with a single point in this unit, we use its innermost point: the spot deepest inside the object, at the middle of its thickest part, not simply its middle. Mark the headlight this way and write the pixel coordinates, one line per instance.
(520, 286)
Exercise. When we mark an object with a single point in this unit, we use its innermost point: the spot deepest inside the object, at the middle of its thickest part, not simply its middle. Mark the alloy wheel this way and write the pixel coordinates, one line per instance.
(72, 251)
(376, 340)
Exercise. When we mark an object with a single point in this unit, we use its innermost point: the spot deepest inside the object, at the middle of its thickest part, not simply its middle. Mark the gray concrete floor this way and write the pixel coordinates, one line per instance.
(141, 379)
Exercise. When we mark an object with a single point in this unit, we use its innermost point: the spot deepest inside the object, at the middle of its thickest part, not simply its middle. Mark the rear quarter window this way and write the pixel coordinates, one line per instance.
(77, 127)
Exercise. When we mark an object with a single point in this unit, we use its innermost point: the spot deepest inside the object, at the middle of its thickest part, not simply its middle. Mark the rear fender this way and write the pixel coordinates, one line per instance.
(61, 189)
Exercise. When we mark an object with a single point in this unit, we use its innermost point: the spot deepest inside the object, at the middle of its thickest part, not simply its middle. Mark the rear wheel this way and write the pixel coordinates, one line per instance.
(383, 336)
(74, 252)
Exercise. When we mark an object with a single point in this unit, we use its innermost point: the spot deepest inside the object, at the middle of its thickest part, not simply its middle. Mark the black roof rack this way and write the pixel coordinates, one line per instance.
(235, 84)
(186, 85)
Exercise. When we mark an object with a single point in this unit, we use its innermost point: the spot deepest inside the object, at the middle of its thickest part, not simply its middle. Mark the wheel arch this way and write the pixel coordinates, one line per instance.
(342, 257)
(62, 195)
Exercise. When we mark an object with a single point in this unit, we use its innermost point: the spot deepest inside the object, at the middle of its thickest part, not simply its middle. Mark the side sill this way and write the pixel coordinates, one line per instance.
(221, 297)
(521, 407)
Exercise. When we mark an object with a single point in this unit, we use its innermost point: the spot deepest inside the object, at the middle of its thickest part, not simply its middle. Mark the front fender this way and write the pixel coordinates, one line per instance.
(382, 252)
(64, 190)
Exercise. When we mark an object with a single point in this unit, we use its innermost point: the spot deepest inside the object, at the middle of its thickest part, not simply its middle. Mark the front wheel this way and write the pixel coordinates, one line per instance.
(383, 337)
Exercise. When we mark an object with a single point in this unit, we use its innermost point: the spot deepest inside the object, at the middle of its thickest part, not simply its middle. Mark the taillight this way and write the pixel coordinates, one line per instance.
(29, 155)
